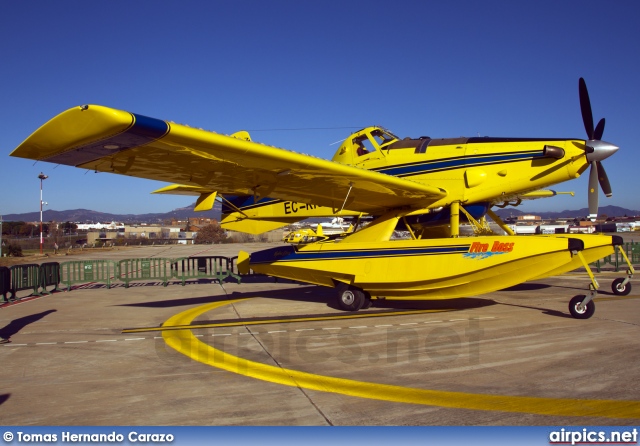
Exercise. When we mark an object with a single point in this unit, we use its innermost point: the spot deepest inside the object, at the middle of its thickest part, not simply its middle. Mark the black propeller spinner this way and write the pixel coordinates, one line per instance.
(596, 151)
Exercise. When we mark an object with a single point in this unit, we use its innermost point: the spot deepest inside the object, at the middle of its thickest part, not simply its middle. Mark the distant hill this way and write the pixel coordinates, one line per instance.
(609, 211)
(85, 215)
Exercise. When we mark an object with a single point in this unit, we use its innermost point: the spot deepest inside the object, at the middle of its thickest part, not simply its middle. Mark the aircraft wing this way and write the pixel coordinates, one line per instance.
(109, 140)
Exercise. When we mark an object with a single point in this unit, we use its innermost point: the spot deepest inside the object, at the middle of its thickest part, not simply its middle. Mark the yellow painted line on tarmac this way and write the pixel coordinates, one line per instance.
(166, 327)
(186, 343)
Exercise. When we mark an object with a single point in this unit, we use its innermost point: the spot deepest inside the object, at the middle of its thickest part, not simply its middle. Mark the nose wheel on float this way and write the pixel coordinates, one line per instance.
(622, 285)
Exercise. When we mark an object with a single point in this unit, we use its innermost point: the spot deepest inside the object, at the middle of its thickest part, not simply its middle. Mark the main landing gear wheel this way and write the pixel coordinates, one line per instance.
(619, 289)
(581, 312)
(351, 298)
(367, 301)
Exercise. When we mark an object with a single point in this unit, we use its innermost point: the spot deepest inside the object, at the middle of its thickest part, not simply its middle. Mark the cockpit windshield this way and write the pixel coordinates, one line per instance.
(383, 137)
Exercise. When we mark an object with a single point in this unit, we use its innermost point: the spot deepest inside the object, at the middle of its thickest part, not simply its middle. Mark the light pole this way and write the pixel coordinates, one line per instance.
(42, 178)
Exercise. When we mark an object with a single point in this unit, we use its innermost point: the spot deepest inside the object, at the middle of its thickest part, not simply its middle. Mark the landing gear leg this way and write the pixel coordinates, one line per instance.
(583, 307)
(622, 285)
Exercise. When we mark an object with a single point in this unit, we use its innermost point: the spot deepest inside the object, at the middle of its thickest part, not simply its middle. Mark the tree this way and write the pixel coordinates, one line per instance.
(11, 227)
(211, 234)
(26, 230)
(68, 227)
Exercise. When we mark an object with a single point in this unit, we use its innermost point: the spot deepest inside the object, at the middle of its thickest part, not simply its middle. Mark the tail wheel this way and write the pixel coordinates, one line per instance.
(351, 299)
(619, 289)
(581, 312)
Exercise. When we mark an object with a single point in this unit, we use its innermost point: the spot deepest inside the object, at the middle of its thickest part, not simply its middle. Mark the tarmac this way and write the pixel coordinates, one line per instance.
(280, 353)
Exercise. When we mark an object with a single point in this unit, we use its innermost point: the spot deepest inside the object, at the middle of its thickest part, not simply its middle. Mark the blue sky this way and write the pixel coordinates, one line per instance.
(442, 69)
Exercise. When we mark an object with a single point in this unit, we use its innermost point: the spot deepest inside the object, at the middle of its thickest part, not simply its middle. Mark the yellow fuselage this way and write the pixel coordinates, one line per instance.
(471, 170)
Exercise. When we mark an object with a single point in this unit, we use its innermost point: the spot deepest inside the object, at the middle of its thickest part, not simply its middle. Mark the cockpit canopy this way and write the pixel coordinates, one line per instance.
(368, 141)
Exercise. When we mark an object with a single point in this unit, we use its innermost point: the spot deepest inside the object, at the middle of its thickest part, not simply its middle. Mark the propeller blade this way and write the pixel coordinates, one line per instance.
(593, 191)
(604, 180)
(597, 133)
(585, 108)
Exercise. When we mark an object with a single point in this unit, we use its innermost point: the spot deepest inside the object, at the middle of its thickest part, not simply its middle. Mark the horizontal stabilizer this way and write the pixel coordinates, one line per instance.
(206, 197)
(205, 201)
(182, 189)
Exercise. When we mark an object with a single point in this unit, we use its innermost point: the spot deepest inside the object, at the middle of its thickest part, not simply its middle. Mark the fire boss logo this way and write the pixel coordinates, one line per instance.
(479, 250)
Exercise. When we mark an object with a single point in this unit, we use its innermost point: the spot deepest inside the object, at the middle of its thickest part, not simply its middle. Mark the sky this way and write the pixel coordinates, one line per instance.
(303, 75)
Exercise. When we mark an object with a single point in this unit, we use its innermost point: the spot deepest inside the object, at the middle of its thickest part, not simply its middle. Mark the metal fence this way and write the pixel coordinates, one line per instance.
(209, 267)
(157, 269)
(39, 278)
(5, 283)
(49, 275)
(24, 277)
(88, 271)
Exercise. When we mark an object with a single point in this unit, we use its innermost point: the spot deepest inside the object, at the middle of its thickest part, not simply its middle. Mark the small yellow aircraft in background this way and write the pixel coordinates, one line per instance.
(309, 235)
(408, 181)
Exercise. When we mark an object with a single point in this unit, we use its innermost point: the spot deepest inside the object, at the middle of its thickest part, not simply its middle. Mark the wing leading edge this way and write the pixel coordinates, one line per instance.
(109, 140)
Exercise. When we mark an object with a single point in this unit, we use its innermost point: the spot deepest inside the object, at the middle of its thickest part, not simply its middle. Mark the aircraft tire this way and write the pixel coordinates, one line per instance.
(585, 313)
(619, 290)
(367, 301)
(351, 299)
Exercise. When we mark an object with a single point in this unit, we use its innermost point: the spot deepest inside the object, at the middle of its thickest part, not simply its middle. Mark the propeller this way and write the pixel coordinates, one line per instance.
(596, 150)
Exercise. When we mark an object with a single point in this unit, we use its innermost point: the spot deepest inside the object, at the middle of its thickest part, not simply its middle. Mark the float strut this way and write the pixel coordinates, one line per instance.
(413, 236)
(455, 219)
(501, 223)
(630, 271)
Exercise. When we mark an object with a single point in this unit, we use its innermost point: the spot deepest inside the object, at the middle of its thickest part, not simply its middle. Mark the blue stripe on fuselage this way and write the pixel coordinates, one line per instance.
(142, 131)
(454, 163)
(288, 253)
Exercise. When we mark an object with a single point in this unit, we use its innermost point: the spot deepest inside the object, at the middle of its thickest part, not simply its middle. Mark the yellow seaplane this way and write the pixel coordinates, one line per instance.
(410, 182)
